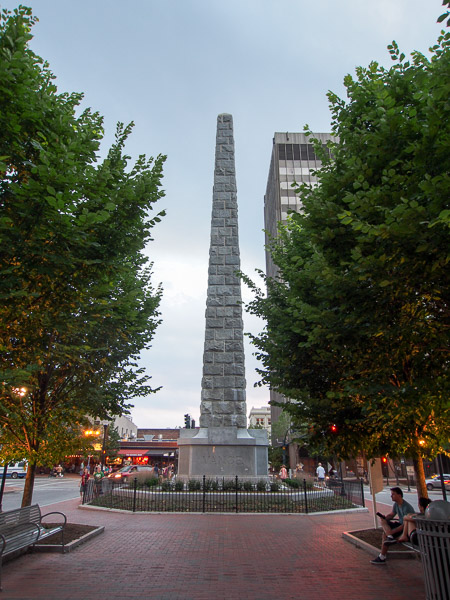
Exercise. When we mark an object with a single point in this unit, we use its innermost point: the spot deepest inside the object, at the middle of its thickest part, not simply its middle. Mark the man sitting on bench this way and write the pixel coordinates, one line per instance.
(392, 529)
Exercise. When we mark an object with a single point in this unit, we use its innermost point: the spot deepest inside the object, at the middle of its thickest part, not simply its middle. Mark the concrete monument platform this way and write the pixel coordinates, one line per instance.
(223, 452)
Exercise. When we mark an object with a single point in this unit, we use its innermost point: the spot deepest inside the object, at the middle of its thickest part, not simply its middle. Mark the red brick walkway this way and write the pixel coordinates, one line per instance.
(212, 557)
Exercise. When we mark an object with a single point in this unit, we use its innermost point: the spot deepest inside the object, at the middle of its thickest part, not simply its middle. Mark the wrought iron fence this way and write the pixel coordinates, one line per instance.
(224, 495)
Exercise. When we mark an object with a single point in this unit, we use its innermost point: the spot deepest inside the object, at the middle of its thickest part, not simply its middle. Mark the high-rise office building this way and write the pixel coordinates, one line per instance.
(293, 161)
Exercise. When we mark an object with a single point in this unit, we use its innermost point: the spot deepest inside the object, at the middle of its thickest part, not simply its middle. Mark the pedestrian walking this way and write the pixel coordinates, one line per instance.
(320, 472)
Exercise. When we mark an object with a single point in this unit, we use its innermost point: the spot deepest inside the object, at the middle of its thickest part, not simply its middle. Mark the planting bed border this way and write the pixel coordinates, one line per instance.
(71, 545)
(352, 537)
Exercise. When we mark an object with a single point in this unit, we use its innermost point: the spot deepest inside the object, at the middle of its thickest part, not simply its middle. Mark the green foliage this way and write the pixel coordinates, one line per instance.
(275, 455)
(210, 484)
(293, 483)
(179, 486)
(194, 485)
(261, 485)
(229, 485)
(274, 486)
(281, 427)
(357, 321)
(112, 442)
(76, 301)
(445, 15)
(151, 482)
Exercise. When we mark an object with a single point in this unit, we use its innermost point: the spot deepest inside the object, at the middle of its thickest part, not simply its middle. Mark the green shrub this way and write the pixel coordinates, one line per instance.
(261, 485)
(274, 486)
(151, 482)
(210, 485)
(166, 486)
(179, 486)
(293, 483)
(248, 486)
(229, 485)
(194, 485)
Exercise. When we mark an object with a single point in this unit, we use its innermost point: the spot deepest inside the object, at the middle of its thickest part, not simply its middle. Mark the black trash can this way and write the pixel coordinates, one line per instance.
(434, 544)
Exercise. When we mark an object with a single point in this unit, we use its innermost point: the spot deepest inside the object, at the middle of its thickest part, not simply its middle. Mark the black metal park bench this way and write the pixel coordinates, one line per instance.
(23, 527)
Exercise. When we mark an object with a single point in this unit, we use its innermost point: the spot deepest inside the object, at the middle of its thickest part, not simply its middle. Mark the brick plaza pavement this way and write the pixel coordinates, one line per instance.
(212, 557)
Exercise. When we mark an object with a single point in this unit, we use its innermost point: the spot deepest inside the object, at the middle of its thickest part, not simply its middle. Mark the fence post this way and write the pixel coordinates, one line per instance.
(362, 493)
(204, 493)
(237, 494)
(306, 497)
(134, 494)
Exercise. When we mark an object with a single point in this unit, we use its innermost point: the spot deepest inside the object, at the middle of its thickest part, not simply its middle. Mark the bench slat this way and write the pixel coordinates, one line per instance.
(22, 527)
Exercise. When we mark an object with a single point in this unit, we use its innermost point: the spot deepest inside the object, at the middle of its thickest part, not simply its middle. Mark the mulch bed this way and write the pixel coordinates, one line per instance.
(373, 537)
(72, 532)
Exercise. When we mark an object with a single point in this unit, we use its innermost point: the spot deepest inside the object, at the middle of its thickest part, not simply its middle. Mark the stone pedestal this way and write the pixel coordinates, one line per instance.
(223, 452)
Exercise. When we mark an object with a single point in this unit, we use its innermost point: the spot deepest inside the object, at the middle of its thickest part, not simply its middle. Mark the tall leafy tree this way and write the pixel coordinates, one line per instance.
(76, 301)
(358, 320)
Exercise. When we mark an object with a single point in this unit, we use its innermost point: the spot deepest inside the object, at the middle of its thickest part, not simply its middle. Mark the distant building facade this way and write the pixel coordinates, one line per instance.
(125, 427)
(151, 447)
(293, 161)
(260, 417)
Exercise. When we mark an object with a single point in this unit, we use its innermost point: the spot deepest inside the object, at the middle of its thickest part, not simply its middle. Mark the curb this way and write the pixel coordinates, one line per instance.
(72, 545)
(230, 513)
(347, 535)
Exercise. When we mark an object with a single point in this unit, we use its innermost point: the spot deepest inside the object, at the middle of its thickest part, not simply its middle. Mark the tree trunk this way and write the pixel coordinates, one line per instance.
(420, 477)
(29, 485)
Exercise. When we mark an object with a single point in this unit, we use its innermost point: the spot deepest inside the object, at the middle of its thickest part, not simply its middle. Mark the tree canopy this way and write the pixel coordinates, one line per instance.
(357, 322)
(76, 300)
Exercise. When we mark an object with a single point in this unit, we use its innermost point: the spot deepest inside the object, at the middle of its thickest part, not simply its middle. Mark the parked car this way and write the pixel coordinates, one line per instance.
(130, 472)
(435, 482)
(17, 469)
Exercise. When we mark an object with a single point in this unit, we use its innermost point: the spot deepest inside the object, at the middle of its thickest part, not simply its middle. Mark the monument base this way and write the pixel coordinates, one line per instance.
(223, 452)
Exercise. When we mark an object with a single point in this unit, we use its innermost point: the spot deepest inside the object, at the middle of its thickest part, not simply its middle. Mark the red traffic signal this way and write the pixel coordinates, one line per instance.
(384, 459)
(333, 428)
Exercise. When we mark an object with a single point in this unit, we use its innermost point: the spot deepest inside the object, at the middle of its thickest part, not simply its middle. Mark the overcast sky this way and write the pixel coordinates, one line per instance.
(172, 66)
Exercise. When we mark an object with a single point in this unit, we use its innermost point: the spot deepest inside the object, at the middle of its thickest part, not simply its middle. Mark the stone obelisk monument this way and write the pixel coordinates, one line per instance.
(222, 445)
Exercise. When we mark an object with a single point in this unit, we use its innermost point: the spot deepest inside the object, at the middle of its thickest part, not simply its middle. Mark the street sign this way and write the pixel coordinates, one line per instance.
(375, 476)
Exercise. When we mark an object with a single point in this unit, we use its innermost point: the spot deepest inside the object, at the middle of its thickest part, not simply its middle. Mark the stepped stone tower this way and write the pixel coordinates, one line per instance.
(223, 446)
(223, 383)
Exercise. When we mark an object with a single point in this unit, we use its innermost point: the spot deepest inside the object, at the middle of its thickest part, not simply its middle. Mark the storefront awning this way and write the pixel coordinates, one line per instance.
(161, 452)
(132, 452)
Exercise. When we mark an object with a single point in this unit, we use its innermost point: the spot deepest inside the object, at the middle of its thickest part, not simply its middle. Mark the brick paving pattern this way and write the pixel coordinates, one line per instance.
(212, 557)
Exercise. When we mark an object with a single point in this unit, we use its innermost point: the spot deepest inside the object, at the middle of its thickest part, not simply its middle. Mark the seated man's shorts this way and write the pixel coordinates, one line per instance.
(393, 525)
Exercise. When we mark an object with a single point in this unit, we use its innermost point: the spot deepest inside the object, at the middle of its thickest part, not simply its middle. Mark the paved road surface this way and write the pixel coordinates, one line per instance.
(46, 491)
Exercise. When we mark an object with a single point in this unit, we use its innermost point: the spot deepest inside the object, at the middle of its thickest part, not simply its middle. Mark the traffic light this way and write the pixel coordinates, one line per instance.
(333, 428)
(187, 421)
(384, 460)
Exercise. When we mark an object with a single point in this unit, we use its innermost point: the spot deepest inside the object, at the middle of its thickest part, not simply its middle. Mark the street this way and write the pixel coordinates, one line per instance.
(46, 491)
(384, 497)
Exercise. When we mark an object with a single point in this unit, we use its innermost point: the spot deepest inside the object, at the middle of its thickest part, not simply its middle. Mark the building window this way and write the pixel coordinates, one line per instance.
(296, 152)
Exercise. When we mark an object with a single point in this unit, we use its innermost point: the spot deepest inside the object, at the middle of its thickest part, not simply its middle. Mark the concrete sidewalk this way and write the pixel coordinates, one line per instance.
(212, 557)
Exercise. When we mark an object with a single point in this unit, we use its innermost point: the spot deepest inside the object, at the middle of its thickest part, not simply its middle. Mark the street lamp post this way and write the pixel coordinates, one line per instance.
(105, 431)
(2, 488)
